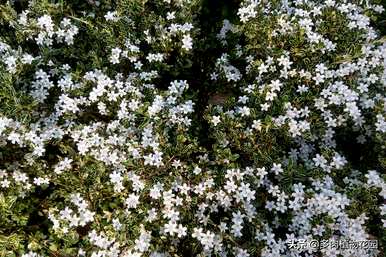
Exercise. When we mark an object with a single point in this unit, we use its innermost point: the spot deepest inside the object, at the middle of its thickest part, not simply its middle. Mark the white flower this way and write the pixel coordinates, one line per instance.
(66, 213)
(380, 124)
(111, 16)
(277, 168)
(320, 161)
(170, 15)
(14, 138)
(155, 57)
(27, 59)
(151, 215)
(373, 178)
(207, 240)
(5, 183)
(215, 120)
(197, 170)
(247, 12)
(41, 181)
(115, 54)
(155, 191)
(237, 226)
(187, 42)
(241, 252)
(171, 228)
(85, 217)
(10, 61)
(45, 22)
(338, 161)
(132, 201)
(116, 177)
(142, 244)
(181, 231)
(63, 165)
(302, 89)
(117, 224)
(74, 220)
(265, 106)
(256, 125)
(244, 111)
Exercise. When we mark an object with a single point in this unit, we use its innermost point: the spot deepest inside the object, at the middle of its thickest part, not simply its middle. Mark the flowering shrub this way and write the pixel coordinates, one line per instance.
(178, 128)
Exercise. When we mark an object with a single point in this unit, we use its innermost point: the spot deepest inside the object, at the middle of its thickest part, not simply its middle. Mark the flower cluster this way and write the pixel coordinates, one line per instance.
(113, 140)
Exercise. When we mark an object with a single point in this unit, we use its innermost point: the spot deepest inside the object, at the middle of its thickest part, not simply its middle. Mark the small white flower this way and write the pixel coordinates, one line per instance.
(27, 59)
(197, 170)
(132, 201)
(215, 120)
(187, 42)
(111, 16)
(170, 15)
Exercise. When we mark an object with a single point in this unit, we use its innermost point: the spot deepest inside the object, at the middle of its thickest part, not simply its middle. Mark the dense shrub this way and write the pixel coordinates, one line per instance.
(191, 127)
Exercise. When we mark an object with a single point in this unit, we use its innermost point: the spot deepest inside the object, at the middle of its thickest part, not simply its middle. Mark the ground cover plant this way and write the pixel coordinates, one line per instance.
(192, 128)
